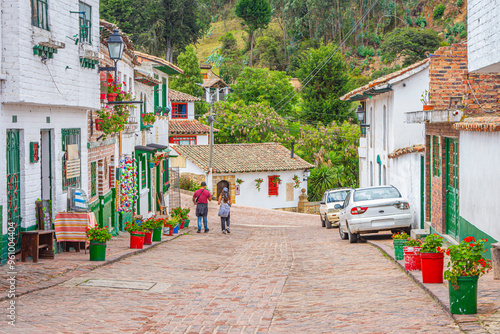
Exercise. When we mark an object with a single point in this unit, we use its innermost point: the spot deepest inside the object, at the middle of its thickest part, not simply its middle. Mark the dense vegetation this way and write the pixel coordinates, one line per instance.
(258, 46)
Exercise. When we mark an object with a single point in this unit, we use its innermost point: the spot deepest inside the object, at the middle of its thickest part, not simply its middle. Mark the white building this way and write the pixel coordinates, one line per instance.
(48, 83)
(391, 151)
(239, 166)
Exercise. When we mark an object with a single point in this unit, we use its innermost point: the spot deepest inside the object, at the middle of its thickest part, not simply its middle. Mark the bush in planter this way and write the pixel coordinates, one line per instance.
(98, 236)
(432, 258)
(137, 233)
(399, 241)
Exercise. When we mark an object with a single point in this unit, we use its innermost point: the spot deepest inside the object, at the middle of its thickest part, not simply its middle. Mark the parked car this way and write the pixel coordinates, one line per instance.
(327, 212)
(373, 209)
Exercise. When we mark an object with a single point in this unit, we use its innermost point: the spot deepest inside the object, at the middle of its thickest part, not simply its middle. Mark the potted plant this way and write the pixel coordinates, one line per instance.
(296, 180)
(112, 120)
(113, 89)
(136, 235)
(148, 226)
(157, 226)
(170, 224)
(466, 265)
(258, 182)
(148, 118)
(432, 256)
(399, 240)
(98, 236)
(177, 221)
(183, 214)
(412, 254)
(98, 124)
(425, 98)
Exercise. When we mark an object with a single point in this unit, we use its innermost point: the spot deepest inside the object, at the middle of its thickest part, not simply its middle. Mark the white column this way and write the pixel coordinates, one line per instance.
(217, 92)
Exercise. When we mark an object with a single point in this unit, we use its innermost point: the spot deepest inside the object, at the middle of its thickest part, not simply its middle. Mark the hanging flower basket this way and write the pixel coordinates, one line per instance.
(98, 123)
(112, 97)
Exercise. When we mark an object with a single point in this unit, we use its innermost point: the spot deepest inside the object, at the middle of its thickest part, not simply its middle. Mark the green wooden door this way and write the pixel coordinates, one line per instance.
(452, 187)
(13, 186)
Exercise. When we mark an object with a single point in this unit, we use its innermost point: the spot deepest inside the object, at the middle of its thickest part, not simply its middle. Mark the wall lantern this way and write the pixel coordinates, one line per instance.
(115, 48)
(361, 115)
(307, 173)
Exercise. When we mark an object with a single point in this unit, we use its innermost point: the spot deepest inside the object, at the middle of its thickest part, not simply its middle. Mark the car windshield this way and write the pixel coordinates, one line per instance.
(338, 196)
(376, 193)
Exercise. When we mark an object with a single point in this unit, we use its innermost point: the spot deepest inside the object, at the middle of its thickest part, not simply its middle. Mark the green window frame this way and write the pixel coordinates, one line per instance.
(69, 137)
(164, 96)
(156, 99)
(436, 156)
(144, 166)
(85, 21)
(93, 178)
(39, 14)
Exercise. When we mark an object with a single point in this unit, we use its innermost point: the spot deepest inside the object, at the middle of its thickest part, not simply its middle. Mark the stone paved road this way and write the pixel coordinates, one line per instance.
(276, 272)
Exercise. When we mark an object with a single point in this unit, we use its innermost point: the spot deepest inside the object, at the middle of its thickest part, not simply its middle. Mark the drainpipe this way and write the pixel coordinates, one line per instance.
(292, 149)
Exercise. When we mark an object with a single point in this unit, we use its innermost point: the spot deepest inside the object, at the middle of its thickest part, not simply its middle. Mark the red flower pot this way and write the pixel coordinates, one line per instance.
(112, 97)
(432, 267)
(137, 240)
(148, 238)
(98, 124)
(103, 96)
(182, 225)
(412, 258)
(428, 107)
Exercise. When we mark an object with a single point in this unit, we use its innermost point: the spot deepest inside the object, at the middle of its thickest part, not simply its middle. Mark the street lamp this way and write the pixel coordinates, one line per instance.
(115, 49)
(361, 115)
(307, 173)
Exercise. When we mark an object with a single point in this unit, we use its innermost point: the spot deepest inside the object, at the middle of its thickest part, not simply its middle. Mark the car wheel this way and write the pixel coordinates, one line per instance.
(353, 237)
(343, 235)
(322, 220)
(327, 222)
(407, 230)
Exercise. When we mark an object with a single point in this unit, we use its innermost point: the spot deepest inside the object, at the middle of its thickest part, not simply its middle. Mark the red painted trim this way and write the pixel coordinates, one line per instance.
(177, 139)
(273, 187)
(175, 111)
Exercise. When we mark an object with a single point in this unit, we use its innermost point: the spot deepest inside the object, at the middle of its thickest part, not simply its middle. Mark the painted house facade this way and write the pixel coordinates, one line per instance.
(239, 166)
(391, 152)
(43, 121)
(461, 141)
(215, 88)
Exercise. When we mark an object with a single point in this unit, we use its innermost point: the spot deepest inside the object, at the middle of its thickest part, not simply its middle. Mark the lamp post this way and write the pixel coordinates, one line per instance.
(361, 116)
(211, 120)
(307, 173)
(115, 49)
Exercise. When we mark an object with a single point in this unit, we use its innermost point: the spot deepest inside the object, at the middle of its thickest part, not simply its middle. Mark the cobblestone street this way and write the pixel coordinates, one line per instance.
(276, 272)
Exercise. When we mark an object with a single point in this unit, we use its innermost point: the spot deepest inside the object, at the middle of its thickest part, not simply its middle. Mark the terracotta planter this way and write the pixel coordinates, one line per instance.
(428, 107)
(112, 97)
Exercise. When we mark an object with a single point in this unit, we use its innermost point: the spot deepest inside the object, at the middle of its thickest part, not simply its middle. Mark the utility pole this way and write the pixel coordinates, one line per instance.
(211, 120)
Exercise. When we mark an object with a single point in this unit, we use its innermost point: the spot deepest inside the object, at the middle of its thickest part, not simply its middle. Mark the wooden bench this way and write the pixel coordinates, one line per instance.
(37, 244)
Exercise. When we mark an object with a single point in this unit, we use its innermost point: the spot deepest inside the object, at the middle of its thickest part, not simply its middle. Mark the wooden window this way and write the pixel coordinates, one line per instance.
(436, 156)
(85, 23)
(183, 140)
(179, 110)
(273, 185)
(39, 17)
(93, 178)
(69, 137)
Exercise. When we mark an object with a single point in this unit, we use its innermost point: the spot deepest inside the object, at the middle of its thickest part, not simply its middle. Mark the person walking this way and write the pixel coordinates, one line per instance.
(224, 211)
(201, 198)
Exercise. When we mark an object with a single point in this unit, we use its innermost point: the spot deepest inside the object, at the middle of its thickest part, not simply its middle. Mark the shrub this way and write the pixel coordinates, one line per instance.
(459, 3)
(463, 34)
(458, 28)
(438, 11)
(348, 53)
(421, 22)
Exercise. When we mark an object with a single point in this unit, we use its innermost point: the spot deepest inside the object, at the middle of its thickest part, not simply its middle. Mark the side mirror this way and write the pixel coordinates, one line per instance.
(322, 203)
(338, 206)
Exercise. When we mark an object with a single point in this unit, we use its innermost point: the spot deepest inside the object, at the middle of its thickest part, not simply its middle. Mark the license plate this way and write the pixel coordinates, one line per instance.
(380, 223)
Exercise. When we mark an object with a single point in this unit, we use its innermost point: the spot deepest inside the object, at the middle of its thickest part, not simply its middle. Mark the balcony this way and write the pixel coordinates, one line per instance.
(434, 116)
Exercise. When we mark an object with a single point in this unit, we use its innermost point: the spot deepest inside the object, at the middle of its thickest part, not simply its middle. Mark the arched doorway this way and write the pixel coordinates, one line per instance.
(221, 186)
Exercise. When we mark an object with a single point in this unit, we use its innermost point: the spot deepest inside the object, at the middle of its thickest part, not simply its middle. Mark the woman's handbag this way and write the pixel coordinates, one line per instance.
(224, 210)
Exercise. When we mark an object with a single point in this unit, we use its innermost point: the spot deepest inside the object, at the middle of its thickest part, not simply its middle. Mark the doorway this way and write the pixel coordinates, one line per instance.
(46, 164)
(221, 185)
(14, 186)
(451, 175)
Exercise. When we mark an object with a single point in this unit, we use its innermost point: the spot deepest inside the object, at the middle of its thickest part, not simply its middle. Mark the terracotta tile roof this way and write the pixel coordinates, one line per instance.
(215, 82)
(174, 95)
(145, 78)
(145, 57)
(239, 158)
(187, 126)
(485, 124)
(407, 150)
(381, 80)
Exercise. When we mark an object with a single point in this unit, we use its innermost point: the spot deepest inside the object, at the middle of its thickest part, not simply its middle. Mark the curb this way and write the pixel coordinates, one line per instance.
(89, 267)
(443, 305)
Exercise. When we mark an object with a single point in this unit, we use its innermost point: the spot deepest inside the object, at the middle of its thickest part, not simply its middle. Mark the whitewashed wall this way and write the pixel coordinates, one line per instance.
(483, 31)
(479, 180)
(405, 175)
(202, 139)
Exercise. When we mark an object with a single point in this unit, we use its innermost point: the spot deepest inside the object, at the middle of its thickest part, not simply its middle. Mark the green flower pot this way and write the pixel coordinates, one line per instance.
(97, 251)
(398, 248)
(464, 299)
(157, 234)
(186, 223)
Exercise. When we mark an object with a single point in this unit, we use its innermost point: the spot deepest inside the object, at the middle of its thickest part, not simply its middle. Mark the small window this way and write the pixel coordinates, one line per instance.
(39, 17)
(85, 23)
(179, 110)
(184, 140)
(273, 185)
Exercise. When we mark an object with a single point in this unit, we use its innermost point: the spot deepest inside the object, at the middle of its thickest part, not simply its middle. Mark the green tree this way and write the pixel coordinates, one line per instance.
(232, 65)
(262, 85)
(409, 43)
(321, 96)
(270, 51)
(256, 14)
(187, 82)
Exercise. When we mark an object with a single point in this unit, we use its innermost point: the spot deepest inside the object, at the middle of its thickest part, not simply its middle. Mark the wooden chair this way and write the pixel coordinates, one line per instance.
(163, 209)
